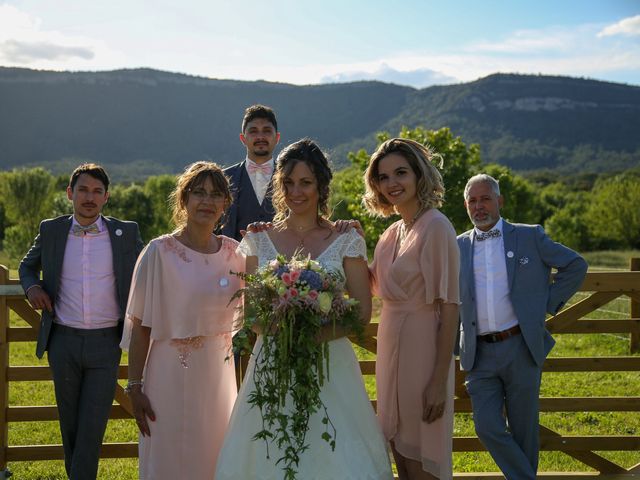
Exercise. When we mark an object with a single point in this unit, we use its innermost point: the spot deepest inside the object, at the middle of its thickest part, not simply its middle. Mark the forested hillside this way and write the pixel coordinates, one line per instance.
(141, 122)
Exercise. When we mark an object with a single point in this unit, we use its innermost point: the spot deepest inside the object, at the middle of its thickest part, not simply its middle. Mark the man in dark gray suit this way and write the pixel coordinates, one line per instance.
(87, 261)
(506, 291)
(251, 178)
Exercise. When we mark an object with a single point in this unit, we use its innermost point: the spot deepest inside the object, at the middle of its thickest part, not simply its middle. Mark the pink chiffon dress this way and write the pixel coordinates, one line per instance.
(423, 274)
(183, 296)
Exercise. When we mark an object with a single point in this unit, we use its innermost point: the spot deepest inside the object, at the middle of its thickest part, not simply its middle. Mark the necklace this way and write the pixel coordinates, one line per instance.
(410, 223)
(302, 232)
(204, 251)
(407, 226)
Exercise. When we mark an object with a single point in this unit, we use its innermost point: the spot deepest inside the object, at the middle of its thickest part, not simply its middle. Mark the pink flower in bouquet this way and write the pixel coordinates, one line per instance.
(295, 275)
(313, 294)
(286, 278)
(293, 292)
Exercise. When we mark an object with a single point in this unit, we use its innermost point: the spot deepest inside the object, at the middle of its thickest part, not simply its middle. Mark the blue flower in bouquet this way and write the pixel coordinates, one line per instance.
(282, 269)
(312, 279)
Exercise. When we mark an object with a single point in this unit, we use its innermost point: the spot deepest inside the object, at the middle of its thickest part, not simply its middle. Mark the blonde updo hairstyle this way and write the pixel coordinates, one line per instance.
(306, 151)
(193, 177)
(421, 159)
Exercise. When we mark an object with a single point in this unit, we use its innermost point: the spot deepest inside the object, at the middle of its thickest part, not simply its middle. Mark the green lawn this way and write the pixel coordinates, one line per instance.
(553, 384)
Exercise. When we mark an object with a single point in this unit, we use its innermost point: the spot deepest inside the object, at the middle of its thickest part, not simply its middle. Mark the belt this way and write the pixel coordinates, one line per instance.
(500, 336)
(63, 329)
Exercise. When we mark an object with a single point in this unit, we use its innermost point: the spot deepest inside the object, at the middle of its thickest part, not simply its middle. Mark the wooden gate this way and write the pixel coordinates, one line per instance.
(603, 287)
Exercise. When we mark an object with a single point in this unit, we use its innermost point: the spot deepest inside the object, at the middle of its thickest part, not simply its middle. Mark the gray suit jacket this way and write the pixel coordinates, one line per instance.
(47, 254)
(529, 256)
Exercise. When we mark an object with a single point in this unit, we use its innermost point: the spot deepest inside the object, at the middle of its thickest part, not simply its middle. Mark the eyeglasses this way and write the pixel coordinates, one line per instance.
(200, 194)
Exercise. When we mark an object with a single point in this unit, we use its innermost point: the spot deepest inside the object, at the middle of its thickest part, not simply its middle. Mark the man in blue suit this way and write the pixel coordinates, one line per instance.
(251, 178)
(506, 291)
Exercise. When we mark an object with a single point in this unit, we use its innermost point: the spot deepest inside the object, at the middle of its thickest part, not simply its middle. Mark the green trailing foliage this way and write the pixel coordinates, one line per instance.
(292, 303)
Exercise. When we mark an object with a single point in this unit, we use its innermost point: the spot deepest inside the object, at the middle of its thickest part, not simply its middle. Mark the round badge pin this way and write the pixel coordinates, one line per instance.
(510, 254)
(118, 232)
(223, 282)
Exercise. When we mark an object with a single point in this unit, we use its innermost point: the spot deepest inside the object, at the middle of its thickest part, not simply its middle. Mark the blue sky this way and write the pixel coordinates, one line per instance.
(416, 43)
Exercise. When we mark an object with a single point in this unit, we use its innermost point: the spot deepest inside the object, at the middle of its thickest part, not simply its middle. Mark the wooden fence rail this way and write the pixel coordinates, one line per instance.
(604, 287)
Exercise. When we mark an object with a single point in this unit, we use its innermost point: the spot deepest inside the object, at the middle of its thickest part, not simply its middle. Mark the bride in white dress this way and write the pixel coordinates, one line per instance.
(301, 191)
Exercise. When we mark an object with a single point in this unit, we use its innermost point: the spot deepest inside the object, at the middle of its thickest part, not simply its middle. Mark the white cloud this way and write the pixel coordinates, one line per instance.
(24, 42)
(628, 27)
(27, 52)
(419, 77)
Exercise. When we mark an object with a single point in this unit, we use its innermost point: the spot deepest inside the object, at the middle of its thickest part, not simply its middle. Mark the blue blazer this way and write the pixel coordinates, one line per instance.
(230, 219)
(47, 255)
(244, 208)
(529, 256)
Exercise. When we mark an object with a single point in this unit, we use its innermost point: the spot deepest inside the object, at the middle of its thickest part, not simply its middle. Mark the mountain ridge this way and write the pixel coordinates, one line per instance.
(167, 120)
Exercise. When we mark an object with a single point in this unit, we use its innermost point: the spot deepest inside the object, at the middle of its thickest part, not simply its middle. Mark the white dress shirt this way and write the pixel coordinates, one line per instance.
(493, 305)
(87, 292)
(259, 181)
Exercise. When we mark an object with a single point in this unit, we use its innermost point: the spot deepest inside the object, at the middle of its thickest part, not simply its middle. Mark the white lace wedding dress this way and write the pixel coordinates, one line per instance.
(360, 452)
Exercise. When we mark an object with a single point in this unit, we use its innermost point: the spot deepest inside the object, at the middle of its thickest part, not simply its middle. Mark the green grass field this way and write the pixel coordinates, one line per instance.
(553, 384)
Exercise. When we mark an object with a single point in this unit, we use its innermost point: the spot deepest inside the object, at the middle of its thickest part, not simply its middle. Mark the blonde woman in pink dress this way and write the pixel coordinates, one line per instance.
(415, 272)
(178, 332)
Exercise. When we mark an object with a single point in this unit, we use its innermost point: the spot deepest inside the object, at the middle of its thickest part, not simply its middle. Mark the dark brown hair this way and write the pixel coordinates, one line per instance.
(307, 151)
(259, 111)
(96, 171)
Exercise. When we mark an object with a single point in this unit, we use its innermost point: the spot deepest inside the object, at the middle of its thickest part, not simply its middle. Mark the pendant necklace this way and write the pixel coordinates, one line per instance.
(302, 234)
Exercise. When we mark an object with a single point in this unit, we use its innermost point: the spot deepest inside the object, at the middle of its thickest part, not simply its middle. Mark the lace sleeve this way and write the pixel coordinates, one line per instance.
(248, 246)
(355, 245)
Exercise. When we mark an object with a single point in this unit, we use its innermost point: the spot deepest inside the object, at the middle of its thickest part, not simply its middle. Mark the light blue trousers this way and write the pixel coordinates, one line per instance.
(504, 386)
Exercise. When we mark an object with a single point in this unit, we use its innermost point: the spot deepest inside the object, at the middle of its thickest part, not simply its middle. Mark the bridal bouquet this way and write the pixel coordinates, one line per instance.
(291, 302)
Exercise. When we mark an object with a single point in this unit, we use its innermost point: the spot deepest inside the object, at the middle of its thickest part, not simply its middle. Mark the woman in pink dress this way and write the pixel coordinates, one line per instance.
(415, 272)
(178, 333)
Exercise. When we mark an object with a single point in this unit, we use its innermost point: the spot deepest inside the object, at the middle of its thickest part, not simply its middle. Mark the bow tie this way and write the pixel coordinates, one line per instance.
(79, 230)
(264, 168)
(495, 233)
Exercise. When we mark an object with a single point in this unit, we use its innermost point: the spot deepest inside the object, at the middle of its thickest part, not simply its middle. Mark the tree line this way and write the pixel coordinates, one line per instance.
(585, 212)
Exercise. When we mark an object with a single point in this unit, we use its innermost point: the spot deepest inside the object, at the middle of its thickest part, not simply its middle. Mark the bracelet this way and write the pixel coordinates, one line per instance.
(132, 383)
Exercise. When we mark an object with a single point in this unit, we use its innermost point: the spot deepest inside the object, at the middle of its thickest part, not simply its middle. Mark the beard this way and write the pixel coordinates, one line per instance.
(488, 221)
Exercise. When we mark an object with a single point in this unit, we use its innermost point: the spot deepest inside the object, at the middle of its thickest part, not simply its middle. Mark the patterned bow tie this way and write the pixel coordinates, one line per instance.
(79, 230)
(495, 233)
(264, 168)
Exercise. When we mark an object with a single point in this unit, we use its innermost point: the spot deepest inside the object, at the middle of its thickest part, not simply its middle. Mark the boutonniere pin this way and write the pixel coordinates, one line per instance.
(524, 260)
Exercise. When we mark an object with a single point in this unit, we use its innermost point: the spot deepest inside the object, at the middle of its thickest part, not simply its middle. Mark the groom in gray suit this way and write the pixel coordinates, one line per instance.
(87, 261)
(506, 291)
